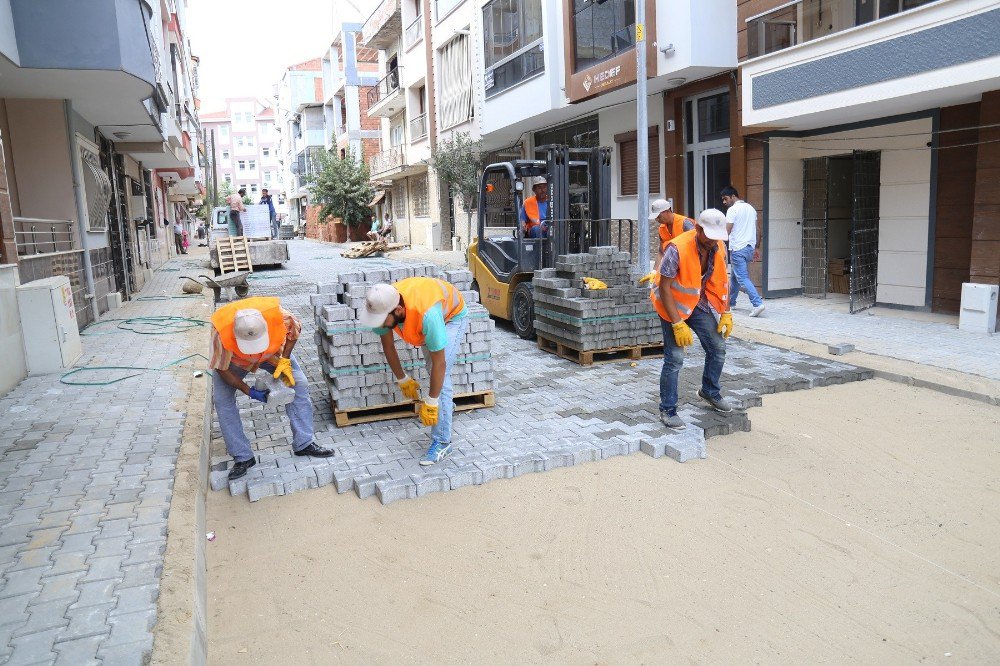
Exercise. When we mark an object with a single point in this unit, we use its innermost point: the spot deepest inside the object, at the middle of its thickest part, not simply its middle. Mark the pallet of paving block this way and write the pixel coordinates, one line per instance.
(609, 355)
(464, 402)
(234, 254)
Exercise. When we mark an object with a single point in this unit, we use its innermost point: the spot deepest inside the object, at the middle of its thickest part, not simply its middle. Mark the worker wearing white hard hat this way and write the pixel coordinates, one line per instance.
(535, 212)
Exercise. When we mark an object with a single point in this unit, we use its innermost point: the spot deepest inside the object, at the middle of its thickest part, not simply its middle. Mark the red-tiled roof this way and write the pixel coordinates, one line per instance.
(266, 113)
(214, 115)
(314, 65)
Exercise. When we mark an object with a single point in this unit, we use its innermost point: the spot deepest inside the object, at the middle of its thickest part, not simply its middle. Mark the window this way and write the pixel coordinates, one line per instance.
(418, 192)
(442, 7)
(627, 143)
(251, 142)
(455, 83)
(602, 29)
(397, 131)
(253, 187)
(225, 154)
(266, 152)
(242, 165)
(224, 131)
(399, 200)
(229, 179)
(253, 164)
(512, 35)
(713, 117)
(239, 142)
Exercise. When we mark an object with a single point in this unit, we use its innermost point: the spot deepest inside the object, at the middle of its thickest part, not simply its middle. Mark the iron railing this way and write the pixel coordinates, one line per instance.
(38, 236)
(414, 32)
(386, 86)
(387, 160)
(418, 127)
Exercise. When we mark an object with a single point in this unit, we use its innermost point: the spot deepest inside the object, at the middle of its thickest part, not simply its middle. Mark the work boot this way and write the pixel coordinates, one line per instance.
(720, 404)
(315, 451)
(672, 421)
(240, 468)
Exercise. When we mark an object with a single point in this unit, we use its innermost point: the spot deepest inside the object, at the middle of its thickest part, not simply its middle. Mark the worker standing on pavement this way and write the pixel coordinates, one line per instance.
(670, 223)
(246, 335)
(535, 211)
(236, 207)
(691, 288)
(429, 313)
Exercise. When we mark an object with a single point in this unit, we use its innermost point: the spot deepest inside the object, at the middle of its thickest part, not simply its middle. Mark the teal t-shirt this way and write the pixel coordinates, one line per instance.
(435, 336)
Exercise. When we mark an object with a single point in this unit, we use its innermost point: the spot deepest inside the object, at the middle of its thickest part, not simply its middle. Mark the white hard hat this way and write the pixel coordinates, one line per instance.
(250, 331)
(658, 207)
(713, 221)
(539, 180)
(380, 301)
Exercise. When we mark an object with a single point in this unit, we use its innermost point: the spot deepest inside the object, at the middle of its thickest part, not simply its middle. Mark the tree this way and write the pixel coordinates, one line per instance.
(342, 186)
(458, 161)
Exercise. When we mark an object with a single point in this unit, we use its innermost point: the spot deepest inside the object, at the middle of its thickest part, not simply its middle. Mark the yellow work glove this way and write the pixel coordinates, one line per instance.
(409, 387)
(593, 283)
(725, 324)
(683, 335)
(649, 277)
(429, 411)
(283, 371)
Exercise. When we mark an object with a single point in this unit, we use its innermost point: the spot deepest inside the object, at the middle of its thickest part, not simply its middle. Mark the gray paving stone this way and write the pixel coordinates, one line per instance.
(78, 652)
(34, 648)
(87, 621)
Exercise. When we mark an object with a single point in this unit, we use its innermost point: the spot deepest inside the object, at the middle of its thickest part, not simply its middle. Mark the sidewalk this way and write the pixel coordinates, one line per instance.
(86, 480)
(924, 338)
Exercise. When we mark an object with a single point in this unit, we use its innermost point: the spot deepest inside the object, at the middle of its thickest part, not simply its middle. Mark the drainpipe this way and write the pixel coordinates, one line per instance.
(81, 208)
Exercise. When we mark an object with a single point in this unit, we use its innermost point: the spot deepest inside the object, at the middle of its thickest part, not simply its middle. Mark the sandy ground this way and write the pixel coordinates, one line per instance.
(855, 523)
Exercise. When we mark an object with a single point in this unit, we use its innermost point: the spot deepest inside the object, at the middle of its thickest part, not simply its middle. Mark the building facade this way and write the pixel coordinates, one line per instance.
(302, 132)
(872, 147)
(244, 138)
(350, 71)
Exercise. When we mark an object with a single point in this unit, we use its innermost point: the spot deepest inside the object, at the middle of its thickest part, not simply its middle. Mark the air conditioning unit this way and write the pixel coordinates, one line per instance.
(48, 319)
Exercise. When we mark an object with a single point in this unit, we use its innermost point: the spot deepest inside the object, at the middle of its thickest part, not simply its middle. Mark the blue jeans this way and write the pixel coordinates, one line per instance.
(704, 326)
(455, 330)
(300, 412)
(741, 277)
(538, 231)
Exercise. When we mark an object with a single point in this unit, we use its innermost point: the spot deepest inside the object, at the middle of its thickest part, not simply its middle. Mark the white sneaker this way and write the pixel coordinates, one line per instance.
(755, 312)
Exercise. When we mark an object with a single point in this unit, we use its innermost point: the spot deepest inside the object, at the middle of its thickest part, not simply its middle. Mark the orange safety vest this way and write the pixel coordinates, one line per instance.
(672, 230)
(270, 307)
(532, 213)
(420, 294)
(687, 284)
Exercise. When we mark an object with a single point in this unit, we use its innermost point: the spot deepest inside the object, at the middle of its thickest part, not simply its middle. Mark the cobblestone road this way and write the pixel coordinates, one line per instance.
(86, 474)
(550, 412)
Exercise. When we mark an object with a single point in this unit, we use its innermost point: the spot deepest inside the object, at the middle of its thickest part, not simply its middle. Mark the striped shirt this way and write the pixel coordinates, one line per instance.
(221, 358)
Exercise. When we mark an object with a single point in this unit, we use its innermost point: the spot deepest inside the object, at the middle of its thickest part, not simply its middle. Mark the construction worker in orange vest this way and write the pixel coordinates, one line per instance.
(535, 212)
(691, 289)
(429, 313)
(670, 223)
(246, 335)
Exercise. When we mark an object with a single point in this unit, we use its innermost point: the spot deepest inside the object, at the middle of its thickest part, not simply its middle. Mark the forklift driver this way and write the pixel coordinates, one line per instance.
(535, 211)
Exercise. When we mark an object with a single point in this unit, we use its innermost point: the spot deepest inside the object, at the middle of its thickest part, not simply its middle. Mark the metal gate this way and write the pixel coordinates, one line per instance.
(118, 223)
(815, 211)
(864, 230)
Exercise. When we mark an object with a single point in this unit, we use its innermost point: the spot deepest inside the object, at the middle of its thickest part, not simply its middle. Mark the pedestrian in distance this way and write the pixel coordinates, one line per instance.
(179, 237)
(429, 313)
(691, 289)
(265, 198)
(741, 221)
(249, 334)
(236, 207)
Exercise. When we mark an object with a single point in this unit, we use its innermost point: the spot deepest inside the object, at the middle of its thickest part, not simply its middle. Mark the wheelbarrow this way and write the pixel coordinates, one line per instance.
(235, 281)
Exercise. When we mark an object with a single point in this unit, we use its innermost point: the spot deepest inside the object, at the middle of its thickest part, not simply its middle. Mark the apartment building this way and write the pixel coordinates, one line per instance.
(350, 71)
(245, 141)
(872, 142)
(302, 132)
(100, 148)
(426, 94)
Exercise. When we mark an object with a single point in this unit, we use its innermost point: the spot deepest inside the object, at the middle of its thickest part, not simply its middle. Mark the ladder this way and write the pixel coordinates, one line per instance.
(234, 254)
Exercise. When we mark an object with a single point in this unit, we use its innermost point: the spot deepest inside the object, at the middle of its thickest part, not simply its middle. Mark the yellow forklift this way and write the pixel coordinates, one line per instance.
(503, 259)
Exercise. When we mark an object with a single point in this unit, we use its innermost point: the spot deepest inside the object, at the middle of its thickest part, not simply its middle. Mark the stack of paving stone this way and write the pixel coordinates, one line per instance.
(354, 365)
(591, 319)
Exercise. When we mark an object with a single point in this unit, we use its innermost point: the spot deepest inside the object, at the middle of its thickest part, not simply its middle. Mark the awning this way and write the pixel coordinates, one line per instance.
(378, 198)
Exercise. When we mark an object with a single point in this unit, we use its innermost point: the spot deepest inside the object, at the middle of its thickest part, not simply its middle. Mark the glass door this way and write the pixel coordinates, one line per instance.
(706, 137)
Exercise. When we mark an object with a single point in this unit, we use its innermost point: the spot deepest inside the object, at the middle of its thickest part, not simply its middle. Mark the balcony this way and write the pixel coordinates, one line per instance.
(383, 27)
(414, 32)
(385, 98)
(387, 162)
(418, 127)
(812, 64)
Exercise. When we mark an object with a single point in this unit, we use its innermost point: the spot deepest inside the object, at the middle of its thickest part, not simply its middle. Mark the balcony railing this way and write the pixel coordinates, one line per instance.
(418, 127)
(37, 236)
(387, 160)
(388, 85)
(805, 20)
(414, 32)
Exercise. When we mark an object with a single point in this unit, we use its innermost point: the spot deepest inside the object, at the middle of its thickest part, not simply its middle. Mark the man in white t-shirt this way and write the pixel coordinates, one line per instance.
(742, 224)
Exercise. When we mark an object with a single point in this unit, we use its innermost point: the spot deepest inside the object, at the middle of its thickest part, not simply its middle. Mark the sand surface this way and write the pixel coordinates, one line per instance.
(855, 523)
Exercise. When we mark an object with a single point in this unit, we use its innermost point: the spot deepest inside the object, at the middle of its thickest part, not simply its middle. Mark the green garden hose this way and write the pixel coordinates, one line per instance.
(105, 368)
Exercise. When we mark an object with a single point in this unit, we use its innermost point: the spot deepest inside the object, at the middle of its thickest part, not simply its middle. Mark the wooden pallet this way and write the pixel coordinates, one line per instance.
(369, 248)
(609, 355)
(234, 254)
(402, 410)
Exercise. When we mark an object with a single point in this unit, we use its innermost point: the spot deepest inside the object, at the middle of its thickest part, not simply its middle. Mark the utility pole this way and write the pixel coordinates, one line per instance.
(642, 137)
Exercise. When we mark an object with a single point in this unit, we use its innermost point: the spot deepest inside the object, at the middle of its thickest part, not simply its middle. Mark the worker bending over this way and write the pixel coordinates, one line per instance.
(535, 212)
(429, 313)
(691, 287)
(246, 335)
(670, 223)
